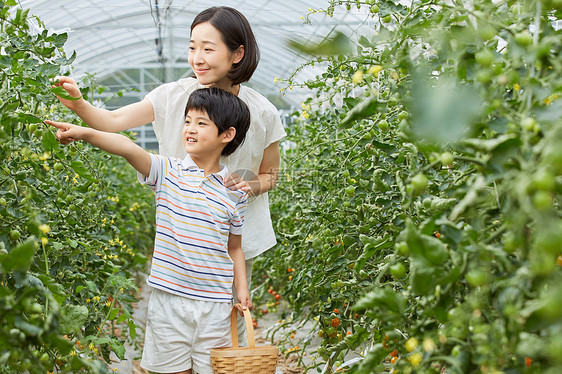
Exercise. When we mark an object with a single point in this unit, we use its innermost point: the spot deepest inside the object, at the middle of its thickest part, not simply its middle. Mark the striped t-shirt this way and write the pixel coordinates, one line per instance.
(194, 217)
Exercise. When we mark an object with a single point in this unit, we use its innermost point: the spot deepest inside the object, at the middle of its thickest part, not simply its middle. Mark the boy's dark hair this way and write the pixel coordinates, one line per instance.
(236, 31)
(225, 109)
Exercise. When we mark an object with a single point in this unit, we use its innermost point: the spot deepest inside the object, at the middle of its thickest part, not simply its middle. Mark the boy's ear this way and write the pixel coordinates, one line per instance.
(228, 135)
(238, 54)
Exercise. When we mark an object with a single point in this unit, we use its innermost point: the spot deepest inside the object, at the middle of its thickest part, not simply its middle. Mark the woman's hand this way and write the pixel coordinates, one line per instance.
(70, 86)
(66, 132)
(236, 182)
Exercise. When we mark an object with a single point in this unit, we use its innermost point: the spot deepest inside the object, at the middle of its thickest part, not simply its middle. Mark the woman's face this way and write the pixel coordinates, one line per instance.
(210, 58)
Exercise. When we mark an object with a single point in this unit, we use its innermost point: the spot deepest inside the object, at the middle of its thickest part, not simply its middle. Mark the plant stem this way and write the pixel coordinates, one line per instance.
(47, 273)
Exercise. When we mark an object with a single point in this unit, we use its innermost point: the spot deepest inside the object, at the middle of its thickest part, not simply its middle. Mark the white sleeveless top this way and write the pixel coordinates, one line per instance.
(169, 100)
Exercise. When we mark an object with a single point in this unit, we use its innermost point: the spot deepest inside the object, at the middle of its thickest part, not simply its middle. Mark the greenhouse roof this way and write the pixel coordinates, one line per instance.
(152, 35)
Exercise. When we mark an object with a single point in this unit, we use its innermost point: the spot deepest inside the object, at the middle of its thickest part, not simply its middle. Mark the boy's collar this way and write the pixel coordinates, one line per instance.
(188, 163)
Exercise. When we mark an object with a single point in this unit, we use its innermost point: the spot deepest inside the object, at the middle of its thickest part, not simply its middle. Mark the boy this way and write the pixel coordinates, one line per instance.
(197, 250)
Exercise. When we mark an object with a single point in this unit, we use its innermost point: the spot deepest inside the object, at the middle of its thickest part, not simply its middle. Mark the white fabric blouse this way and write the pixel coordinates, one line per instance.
(169, 100)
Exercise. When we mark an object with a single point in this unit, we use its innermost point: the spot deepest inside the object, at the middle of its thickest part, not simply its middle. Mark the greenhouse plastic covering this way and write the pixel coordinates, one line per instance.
(138, 44)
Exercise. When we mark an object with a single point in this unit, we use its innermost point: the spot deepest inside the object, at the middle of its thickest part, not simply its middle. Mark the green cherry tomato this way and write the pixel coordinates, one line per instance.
(45, 358)
(542, 201)
(484, 57)
(345, 174)
(350, 190)
(398, 270)
(383, 125)
(486, 32)
(476, 277)
(374, 8)
(483, 76)
(402, 248)
(524, 38)
(403, 115)
(528, 123)
(15, 235)
(544, 180)
(446, 158)
(456, 350)
(3, 201)
(419, 182)
(58, 166)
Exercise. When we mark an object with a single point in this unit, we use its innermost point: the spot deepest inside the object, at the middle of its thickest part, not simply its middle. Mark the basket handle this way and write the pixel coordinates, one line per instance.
(249, 327)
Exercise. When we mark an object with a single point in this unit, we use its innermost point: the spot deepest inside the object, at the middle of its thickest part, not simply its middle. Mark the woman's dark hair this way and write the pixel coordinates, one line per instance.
(225, 109)
(236, 31)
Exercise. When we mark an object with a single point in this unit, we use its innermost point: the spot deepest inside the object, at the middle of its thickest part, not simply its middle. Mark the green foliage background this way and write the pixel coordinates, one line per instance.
(421, 193)
(419, 210)
(75, 225)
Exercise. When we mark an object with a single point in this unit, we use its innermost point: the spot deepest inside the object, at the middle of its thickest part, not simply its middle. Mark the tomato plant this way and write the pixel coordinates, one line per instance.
(424, 193)
(75, 226)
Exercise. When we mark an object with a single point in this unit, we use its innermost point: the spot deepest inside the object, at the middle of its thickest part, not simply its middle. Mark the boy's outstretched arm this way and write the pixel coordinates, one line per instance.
(116, 144)
(240, 280)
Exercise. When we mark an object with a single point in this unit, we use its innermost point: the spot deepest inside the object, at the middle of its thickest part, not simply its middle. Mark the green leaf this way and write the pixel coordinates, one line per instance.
(60, 39)
(364, 109)
(49, 140)
(118, 348)
(423, 246)
(28, 118)
(132, 330)
(72, 318)
(61, 92)
(121, 318)
(339, 44)
(477, 185)
(28, 328)
(5, 61)
(488, 145)
(20, 257)
(372, 360)
(444, 109)
(113, 314)
(56, 289)
(79, 168)
(384, 298)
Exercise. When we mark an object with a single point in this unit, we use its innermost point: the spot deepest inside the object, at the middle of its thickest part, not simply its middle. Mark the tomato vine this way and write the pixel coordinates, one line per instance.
(421, 192)
(75, 227)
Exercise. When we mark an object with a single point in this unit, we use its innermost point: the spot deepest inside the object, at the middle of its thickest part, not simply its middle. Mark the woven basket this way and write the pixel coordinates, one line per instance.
(244, 360)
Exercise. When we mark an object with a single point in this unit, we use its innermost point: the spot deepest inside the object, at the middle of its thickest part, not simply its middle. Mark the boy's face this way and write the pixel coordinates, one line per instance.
(201, 136)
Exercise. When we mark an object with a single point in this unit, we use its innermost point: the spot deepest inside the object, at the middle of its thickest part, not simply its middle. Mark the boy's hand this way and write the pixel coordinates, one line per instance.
(244, 303)
(67, 132)
(70, 86)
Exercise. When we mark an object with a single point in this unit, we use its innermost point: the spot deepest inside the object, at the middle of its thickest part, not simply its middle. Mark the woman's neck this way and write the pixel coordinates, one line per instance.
(228, 87)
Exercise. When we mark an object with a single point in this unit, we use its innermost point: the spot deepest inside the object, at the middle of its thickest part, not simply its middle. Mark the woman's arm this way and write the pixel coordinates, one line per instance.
(127, 117)
(116, 144)
(268, 174)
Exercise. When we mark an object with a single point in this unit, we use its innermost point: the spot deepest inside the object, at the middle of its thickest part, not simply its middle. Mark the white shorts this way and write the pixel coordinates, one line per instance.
(181, 332)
